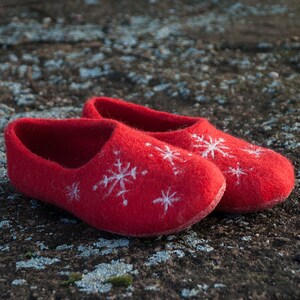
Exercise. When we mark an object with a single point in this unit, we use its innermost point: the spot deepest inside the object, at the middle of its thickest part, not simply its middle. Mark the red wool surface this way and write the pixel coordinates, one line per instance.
(257, 178)
(111, 176)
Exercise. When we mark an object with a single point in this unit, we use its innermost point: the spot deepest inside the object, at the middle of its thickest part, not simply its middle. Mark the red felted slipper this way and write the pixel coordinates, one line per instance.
(111, 176)
(256, 178)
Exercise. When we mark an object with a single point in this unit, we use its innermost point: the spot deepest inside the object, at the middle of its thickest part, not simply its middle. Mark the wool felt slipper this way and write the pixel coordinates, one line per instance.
(256, 178)
(111, 176)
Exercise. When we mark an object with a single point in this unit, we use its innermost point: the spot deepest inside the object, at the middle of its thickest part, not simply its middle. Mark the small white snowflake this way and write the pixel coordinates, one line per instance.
(124, 174)
(168, 154)
(238, 172)
(209, 146)
(73, 191)
(252, 150)
(167, 199)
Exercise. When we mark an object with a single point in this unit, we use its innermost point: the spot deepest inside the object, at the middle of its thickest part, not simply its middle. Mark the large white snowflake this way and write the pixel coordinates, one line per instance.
(167, 199)
(170, 155)
(238, 172)
(118, 179)
(73, 191)
(252, 150)
(210, 146)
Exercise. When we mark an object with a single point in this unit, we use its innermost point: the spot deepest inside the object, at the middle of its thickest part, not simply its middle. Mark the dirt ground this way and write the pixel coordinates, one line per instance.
(235, 63)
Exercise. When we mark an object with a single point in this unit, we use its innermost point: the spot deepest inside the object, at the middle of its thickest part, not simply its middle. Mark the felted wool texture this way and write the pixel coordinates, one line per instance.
(112, 177)
(257, 178)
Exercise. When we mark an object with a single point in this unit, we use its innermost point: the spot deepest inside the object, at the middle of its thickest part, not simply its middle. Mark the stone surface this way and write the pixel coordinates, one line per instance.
(234, 62)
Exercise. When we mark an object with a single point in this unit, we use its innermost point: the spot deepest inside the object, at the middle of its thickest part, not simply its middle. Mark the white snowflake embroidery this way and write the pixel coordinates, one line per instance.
(170, 155)
(238, 172)
(124, 174)
(252, 150)
(210, 146)
(73, 191)
(167, 199)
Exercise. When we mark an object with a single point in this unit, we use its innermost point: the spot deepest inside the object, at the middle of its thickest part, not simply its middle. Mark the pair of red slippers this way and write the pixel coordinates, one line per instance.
(134, 171)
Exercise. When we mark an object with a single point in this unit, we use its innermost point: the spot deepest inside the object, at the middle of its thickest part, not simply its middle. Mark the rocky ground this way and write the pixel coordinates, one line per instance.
(236, 63)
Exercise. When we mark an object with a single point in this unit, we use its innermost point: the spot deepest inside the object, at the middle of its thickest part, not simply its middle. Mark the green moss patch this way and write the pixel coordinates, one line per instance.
(73, 277)
(121, 281)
